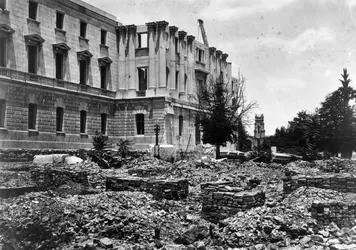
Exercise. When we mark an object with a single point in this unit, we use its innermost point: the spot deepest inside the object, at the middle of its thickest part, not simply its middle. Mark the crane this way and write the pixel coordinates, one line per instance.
(201, 26)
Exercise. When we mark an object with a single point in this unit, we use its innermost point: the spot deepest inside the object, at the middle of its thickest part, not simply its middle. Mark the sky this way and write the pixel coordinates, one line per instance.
(291, 52)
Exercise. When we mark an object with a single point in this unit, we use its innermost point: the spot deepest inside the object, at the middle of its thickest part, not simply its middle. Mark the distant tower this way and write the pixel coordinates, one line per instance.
(259, 132)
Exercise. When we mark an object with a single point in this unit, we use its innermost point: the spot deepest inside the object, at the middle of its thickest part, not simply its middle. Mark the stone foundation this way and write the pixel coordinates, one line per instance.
(49, 178)
(340, 182)
(175, 189)
(221, 200)
(341, 213)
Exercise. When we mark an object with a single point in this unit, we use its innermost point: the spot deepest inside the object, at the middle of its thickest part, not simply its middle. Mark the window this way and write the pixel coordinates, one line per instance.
(83, 29)
(83, 121)
(197, 130)
(32, 59)
(59, 66)
(2, 51)
(180, 125)
(83, 66)
(59, 119)
(185, 82)
(32, 10)
(104, 118)
(140, 124)
(177, 79)
(103, 37)
(200, 55)
(103, 76)
(59, 20)
(142, 78)
(167, 76)
(176, 44)
(2, 113)
(32, 116)
(142, 40)
(2, 4)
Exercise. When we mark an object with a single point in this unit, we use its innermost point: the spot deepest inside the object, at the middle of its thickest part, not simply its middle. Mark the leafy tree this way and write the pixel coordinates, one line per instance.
(222, 106)
(243, 144)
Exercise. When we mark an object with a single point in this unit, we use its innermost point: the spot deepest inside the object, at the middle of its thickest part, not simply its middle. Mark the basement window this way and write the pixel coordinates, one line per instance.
(83, 121)
(104, 118)
(142, 40)
(59, 119)
(180, 125)
(2, 113)
(103, 37)
(83, 29)
(140, 124)
(32, 116)
(142, 78)
(59, 20)
(32, 10)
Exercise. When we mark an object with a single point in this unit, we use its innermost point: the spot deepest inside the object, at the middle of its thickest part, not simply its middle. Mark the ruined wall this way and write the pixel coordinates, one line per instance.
(342, 213)
(339, 182)
(161, 189)
(221, 200)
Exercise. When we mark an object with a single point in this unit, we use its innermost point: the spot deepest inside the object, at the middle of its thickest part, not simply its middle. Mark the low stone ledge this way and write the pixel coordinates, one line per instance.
(174, 189)
(341, 213)
(345, 183)
(15, 191)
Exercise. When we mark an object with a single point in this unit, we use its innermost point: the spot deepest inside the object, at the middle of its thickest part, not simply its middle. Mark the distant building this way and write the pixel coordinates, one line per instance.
(258, 133)
(68, 69)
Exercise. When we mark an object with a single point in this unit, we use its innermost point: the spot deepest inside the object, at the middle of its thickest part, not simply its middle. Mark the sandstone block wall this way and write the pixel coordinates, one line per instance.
(48, 178)
(339, 182)
(161, 189)
(342, 213)
(221, 200)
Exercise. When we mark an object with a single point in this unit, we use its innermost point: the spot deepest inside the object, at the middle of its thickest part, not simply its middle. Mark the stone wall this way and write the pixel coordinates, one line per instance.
(52, 178)
(161, 189)
(221, 199)
(342, 213)
(339, 182)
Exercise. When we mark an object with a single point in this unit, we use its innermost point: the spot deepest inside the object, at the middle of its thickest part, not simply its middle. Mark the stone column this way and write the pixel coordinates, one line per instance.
(218, 62)
(152, 81)
(182, 35)
(131, 31)
(122, 58)
(190, 54)
(172, 59)
(212, 63)
(162, 44)
(224, 66)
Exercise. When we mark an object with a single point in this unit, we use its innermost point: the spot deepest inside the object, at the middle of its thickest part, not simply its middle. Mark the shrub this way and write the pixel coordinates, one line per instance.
(100, 141)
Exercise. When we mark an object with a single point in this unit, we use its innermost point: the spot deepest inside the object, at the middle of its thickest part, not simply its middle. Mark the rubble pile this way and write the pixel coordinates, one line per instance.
(161, 189)
(339, 182)
(336, 165)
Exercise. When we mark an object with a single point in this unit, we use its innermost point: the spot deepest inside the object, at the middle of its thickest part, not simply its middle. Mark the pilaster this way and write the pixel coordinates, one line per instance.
(152, 81)
(162, 26)
(172, 59)
(182, 35)
(190, 65)
(131, 31)
(122, 35)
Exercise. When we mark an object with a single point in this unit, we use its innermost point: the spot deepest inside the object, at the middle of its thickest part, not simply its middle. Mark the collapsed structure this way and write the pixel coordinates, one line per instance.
(68, 69)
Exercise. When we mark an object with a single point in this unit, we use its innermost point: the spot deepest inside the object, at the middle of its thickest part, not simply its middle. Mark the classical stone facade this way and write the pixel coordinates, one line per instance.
(68, 69)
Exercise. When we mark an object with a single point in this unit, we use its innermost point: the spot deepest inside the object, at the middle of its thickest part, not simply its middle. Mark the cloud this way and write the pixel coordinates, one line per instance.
(222, 10)
(274, 84)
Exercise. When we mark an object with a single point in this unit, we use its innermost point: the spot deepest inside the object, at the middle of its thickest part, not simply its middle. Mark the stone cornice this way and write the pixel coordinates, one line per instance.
(60, 48)
(84, 55)
(173, 29)
(212, 50)
(190, 38)
(34, 39)
(218, 52)
(162, 24)
(224, 56)
(151, 26)
(104, 61)
(182, 34)
(131, 28)
(121, 29)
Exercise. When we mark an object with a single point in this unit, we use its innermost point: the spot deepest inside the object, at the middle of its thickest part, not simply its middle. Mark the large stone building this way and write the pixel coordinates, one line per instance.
(68, 69)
